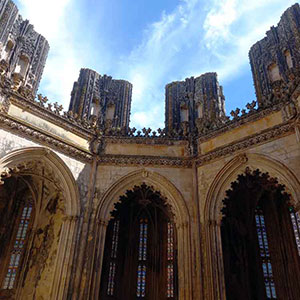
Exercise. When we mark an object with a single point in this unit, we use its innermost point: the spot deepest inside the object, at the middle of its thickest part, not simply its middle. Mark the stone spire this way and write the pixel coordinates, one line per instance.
(23, 51)
(276, 58)
(194, 102)
(106, 100)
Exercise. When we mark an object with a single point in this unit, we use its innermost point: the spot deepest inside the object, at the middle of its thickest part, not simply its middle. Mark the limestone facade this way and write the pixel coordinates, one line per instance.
(77, 166)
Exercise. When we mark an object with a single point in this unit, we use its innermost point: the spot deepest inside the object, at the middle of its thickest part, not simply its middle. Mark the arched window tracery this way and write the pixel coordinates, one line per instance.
(295, 218)
(17, 216)
(140, 249)
(260, 234)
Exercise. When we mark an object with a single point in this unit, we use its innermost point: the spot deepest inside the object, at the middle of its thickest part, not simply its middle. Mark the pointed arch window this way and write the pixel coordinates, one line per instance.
(295, 218)
(113, 256)
(260, 240)
(142, 268)
(141, 261)
(18, 247)
(265, 253)
(17, 215)
(170, 255)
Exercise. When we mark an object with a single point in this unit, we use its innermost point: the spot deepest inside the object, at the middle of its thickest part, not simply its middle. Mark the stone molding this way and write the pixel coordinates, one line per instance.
(247, 142)
(144, 160)
(42, 138)
(250, 117)
(145, 140)
(52, 116)
(29, 161)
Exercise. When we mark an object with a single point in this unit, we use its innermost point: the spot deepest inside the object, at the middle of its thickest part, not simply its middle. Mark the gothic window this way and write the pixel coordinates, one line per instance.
(273, 71)
(200, 110)
(295, 218)
(265, 253)
(184, 113)
(260, 239)
(95, 107)
(22, 65)
(170, 273)
(110, 111)
(7, 50)
(16, 218)
(113, 256)
(288, 59)
(140, 260)
(18, 247)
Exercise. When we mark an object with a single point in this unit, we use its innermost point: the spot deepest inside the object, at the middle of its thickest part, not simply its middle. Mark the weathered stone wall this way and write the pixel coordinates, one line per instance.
(275, 57)
(195, 100)
(23, 51)
(102, 98)
(279, 157)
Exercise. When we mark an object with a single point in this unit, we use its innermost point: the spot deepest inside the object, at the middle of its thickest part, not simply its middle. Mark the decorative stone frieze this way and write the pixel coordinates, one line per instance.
(36, 135)
(144, 161)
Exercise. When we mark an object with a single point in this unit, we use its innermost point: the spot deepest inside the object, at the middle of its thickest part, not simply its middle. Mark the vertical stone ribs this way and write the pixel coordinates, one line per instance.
(194, 103)
(23, 52)
(104, 100)
(275, 60)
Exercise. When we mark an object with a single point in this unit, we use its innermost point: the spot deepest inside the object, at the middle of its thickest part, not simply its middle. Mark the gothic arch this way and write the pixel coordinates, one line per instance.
(159, 183)
(182, 221)
(60, 175)
(213, 206)
(237, 165)
(63, 176)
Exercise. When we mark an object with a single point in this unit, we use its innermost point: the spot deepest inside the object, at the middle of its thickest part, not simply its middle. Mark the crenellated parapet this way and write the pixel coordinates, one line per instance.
(194, 102)
(275, 60)
(102, 99)
(23, 51)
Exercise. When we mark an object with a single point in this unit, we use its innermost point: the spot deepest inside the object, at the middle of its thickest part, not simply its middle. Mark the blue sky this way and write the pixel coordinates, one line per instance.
(151, 43)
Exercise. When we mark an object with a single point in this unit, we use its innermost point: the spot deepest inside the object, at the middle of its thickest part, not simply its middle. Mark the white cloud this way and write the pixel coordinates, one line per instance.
(233, 26)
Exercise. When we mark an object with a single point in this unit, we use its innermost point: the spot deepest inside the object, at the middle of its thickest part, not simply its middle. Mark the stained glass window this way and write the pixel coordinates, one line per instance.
(18, 248)
(265, 254)
(141, 273)
(113, 255)
(115, 238)
(143, 239)
(170, 255)
(111, 278)
(296, 227)
(141, 281)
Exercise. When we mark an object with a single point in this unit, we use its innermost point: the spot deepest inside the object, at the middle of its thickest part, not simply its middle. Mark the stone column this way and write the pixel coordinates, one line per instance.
(100, 228)
(215, 284)
(185, 287)
(64, 258)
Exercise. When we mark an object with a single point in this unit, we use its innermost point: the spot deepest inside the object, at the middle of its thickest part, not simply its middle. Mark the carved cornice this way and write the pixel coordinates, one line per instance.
(36, 135)
(250, 117)
(247, 142)
(49, 115)
(144, 161)
(43, 138)
(145, 140)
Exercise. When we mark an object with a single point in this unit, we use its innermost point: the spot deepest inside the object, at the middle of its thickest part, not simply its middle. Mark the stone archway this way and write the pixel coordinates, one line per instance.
(214, 270)
(26, 161)
(181, 219)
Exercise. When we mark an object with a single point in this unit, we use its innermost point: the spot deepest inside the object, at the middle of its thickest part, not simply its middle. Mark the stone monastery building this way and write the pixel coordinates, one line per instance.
(206, 208)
